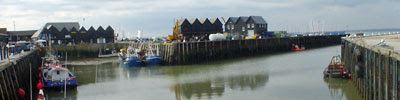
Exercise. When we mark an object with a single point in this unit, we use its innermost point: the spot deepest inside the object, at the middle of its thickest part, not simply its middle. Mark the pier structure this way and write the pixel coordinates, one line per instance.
(181, 53)
(374, 62)
(20, 72)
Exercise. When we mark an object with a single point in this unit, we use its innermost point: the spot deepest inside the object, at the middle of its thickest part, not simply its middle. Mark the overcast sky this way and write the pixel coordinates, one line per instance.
(156, 17)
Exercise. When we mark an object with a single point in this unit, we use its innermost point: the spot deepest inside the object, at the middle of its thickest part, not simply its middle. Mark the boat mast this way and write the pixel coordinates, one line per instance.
(65, 75)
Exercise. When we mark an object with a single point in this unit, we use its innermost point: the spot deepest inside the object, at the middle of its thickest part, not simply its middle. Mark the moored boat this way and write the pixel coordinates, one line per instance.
(133, 58)
(153, 57)
(136, 57)
(336, 69)
(55, 76)
(297, 48)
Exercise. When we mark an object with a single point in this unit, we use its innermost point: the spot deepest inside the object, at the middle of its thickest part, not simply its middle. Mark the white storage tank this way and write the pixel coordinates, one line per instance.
(217, 36)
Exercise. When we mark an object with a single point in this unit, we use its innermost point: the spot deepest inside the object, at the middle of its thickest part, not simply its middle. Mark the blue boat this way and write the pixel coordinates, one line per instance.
(153, 60)
(142, 57)
(132, 58)
(153, 57)
(56, 77)
(133, 62)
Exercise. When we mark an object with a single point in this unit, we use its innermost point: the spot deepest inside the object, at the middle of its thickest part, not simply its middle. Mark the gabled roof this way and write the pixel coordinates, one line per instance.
(258, 19)
(202, 20)
(61, 25)
(100, 28)
(234, 19)
(192, 20)
(213, 20)
(21, 33)
(243, 18)
(58, 25)
(181, 21)
(109, 28)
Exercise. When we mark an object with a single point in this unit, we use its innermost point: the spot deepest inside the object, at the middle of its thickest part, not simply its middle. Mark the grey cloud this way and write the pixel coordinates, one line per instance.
(156, 16)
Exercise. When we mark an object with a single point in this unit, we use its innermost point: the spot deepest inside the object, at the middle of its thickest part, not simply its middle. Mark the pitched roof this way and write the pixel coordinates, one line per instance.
(213, 20)
(244, 18)
(58, 25)
(234, 19)
(61, 25)
(258, 19)
(202, 20)
(192, 20)
(21, 33)
(181, 21)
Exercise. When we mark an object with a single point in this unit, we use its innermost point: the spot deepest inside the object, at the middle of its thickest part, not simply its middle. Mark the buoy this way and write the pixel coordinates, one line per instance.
(40, 76)
(40, 68)
(20, 93)
(39, 85)
(41, 95)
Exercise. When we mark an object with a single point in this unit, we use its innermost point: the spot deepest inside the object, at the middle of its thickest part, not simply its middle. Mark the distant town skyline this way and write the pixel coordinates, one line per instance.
(156, 17)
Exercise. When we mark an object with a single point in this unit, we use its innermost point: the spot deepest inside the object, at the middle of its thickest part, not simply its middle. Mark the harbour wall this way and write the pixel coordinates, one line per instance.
(205, 51)
(86, 50)
(15, 74)
(375, 70)
(181, 53)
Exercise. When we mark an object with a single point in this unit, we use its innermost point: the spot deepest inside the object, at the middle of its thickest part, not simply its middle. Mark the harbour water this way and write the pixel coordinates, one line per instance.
(279, 76)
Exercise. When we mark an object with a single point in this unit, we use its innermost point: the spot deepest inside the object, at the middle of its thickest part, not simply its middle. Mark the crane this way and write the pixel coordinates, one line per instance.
(175, 32)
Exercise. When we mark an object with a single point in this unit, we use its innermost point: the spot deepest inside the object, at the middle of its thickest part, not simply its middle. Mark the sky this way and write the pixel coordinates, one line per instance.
(156, 17)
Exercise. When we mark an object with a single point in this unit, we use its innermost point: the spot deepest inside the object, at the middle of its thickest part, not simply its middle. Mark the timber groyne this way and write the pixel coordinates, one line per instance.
(374, 64)
(15, 74)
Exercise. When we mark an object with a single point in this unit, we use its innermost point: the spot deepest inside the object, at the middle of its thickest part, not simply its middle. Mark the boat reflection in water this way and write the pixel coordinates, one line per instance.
(342, 89)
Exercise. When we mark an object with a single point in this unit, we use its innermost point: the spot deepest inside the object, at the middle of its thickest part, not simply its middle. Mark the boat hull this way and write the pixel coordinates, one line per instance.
(153, 60)
(298, 49)
(337, 75)
(108, 55)
(59, 84)
(133, 62)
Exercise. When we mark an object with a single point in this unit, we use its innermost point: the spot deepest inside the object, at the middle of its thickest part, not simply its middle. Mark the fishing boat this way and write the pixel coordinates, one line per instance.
(133, 57)
(153, 57)
(297, 48)
(55, 76)
(336, 69)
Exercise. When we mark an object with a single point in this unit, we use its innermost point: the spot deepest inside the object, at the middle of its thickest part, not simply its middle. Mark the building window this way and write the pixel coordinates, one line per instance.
(233, 27)
(248, 25)
(228, 27)
(252, 25)
(243, 29)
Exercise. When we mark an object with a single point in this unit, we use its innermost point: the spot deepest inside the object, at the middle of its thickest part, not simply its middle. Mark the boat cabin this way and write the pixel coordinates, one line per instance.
(58, 74)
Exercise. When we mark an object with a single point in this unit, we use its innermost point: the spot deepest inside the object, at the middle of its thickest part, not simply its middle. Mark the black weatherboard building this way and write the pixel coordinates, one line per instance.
(63, 33)
(199, 27)
(248, 26)
(20, 35)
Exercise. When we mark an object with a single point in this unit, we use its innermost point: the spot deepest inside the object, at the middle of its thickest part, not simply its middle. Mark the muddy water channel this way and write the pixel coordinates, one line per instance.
(280, 76)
